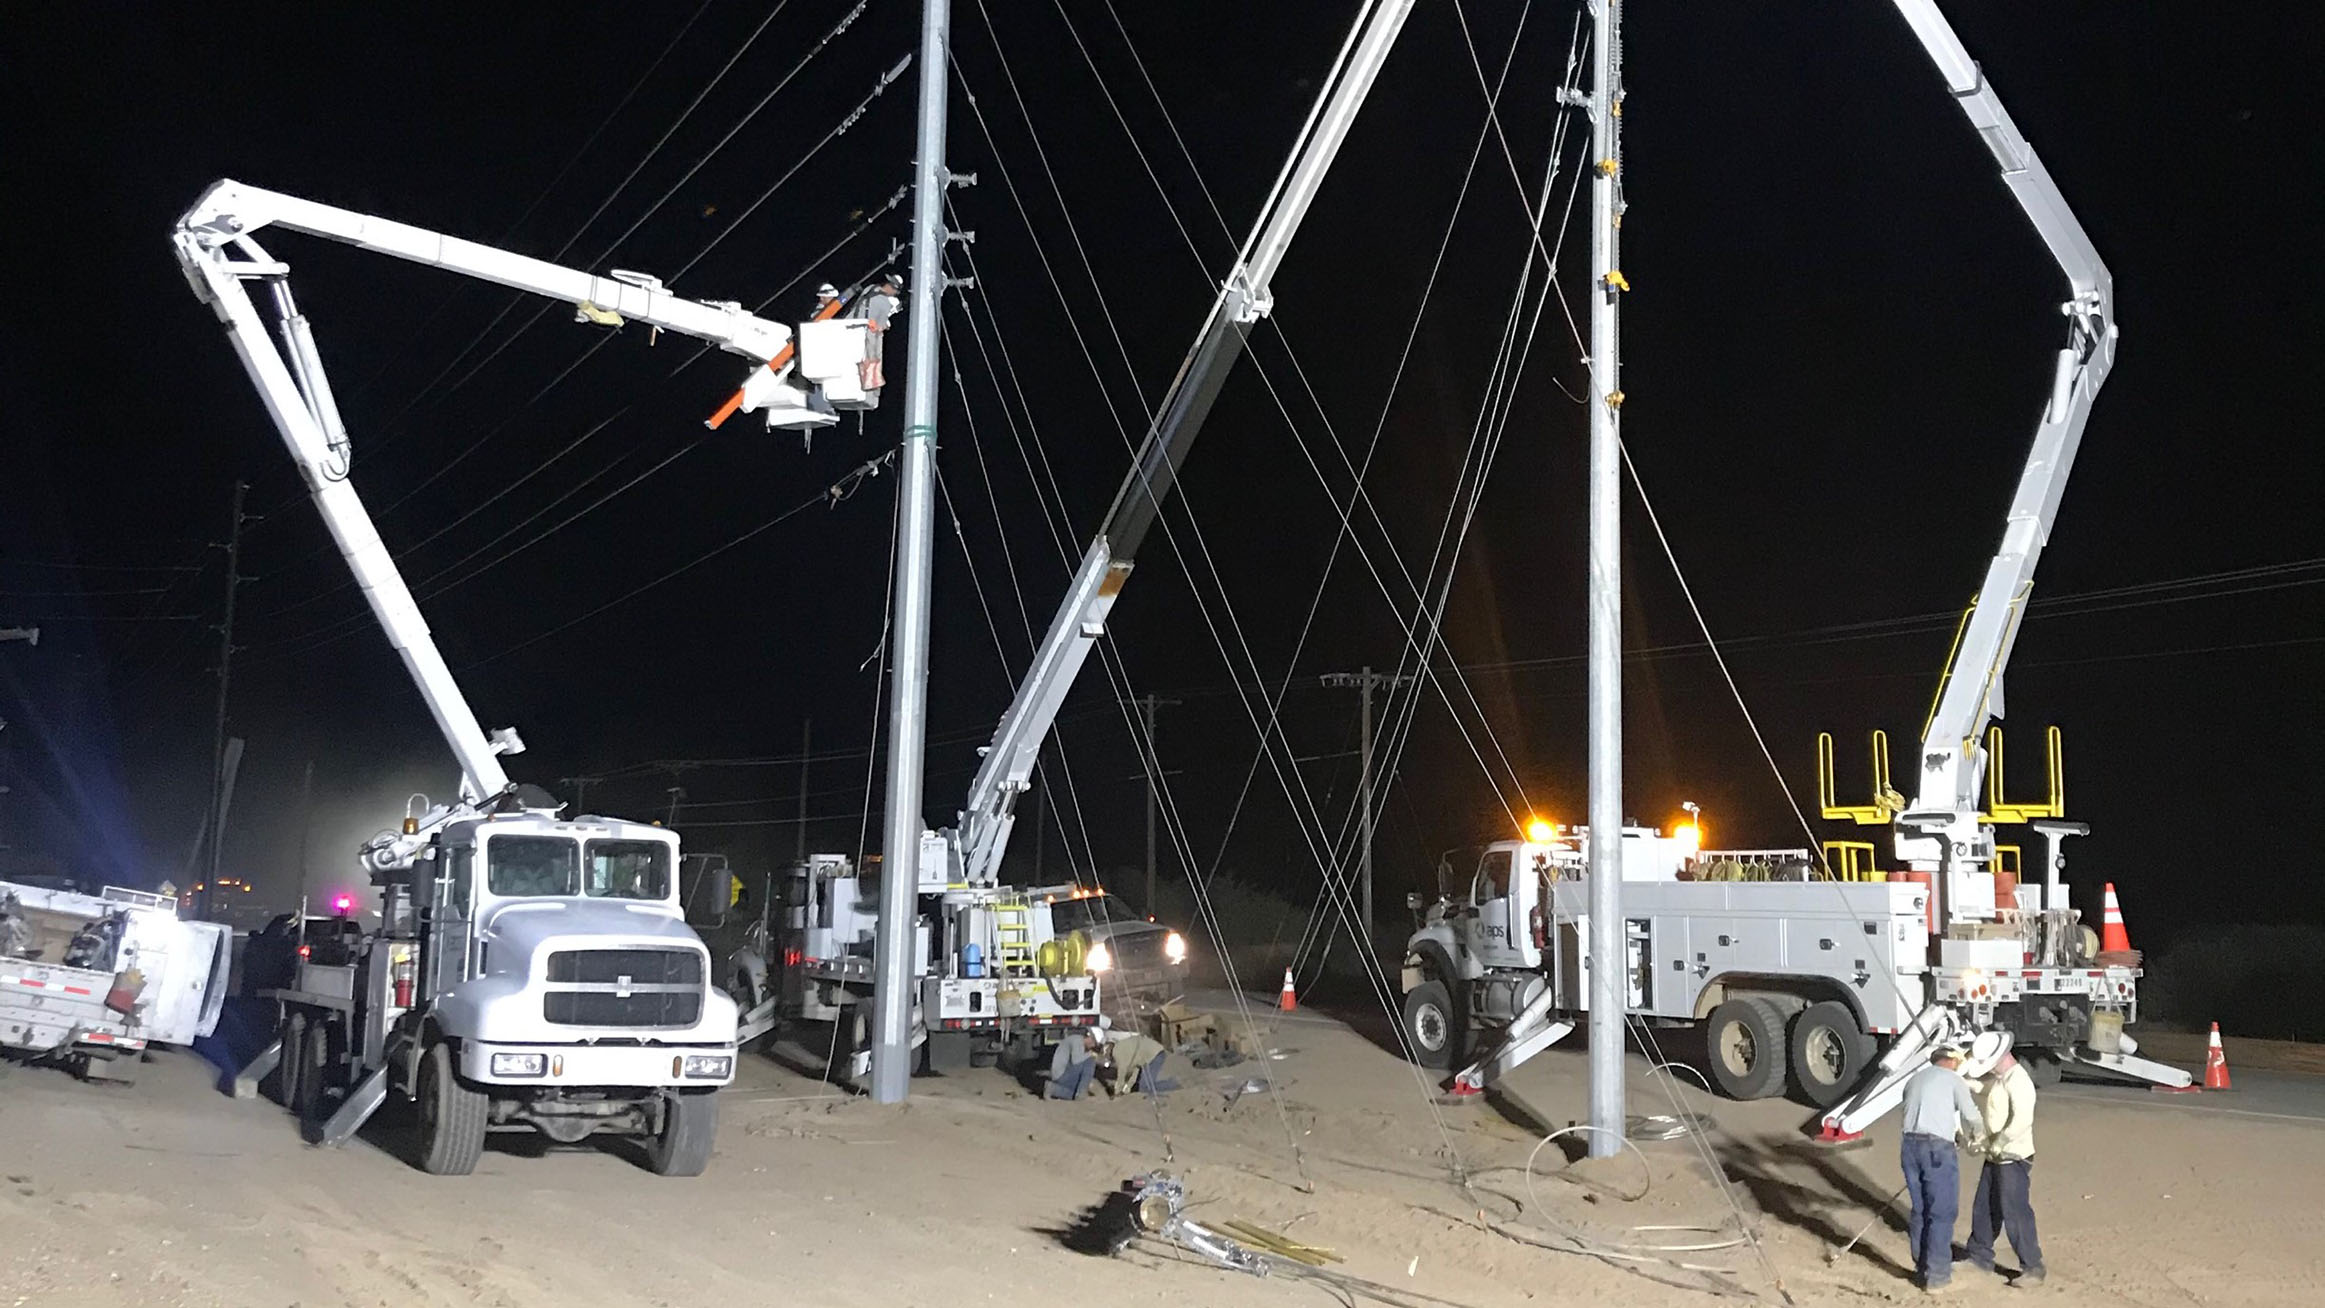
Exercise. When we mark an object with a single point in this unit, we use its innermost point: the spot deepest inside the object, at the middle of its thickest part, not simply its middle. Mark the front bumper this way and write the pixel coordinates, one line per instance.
(645, 1066)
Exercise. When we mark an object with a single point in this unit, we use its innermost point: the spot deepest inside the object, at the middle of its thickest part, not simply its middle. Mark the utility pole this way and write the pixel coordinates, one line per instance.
(1608, 955)
(1365, 682)
(1154, 774)
(806, 742)
(677, 796)
(1040, 822)
(234, 581)
(894, 973)
(581, 787)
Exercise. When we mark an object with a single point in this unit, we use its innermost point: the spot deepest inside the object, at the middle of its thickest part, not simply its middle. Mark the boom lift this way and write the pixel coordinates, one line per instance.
(530, 969)
(960, 866)
(1809, 975)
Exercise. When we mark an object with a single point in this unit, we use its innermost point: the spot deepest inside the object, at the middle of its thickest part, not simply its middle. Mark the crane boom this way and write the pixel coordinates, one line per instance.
(1943, 818)
(217, 250)
(1244, 298)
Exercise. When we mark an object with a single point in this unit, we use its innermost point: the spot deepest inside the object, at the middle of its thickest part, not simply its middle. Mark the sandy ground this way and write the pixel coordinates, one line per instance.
(169, 1193)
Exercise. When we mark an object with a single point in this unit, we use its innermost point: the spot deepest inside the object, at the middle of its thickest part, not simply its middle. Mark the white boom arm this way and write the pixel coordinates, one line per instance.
(1244, 298)
(1941, 825)
(215, 246)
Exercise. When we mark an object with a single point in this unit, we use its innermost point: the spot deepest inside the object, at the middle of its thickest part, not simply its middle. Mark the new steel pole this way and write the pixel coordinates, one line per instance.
(1607, 955)
(1364, 799)
(893, 978)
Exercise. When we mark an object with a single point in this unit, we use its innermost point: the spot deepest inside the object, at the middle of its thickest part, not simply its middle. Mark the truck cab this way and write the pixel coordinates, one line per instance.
(530, 971)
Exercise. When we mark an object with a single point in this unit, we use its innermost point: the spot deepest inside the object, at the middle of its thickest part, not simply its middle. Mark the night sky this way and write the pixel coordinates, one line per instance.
(1836, 348)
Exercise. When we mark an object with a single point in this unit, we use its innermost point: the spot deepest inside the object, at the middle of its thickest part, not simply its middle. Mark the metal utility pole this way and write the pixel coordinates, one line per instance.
(806, 742)
(1366, 682)
(915, 535)
(1154, 774)
(225, 678)
(1608, 957)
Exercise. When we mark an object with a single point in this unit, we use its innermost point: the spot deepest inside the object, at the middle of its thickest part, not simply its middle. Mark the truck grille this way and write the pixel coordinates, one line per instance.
(1141, 949)
(652, 967)
(624, 987)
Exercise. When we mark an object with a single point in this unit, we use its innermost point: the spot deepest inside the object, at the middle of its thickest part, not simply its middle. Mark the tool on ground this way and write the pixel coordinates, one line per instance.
(1835, 1255)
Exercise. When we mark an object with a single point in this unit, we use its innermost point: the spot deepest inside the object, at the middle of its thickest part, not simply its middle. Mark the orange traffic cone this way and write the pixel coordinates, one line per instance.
(2113, 939)
(2215, 1063)
(1288, 1001)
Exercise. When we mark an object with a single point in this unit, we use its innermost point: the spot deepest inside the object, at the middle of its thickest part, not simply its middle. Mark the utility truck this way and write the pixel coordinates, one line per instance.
(1828, 971)
(996, 978)
(89, 981)
(530, 970)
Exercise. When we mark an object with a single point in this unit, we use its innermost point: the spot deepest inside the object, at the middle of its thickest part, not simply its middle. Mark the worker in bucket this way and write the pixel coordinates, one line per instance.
(2004, 1205)
(1073, 1066)
(1938, 1108)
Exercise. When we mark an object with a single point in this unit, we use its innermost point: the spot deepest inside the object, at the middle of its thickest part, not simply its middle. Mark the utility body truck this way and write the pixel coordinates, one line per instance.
(1843, 976)
(530, 970)
(989, 958)
(88, 981)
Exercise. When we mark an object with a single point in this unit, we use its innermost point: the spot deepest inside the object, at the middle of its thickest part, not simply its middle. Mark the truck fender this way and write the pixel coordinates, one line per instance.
(1430, 953)
(1794, 993)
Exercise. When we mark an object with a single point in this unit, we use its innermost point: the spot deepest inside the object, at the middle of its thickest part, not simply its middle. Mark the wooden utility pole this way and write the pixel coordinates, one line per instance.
(806, 743)
(234, 580)
(1366, 682)
(1154, 774)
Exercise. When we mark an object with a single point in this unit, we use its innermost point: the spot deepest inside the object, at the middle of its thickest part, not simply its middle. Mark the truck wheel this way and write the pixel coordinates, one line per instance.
(682, 1146)
(1829, 1053)
(1746, 1039)
(290, 1063)
(314, 1070)
(1432, 1025)
(452, 1117)
(2045, 1070)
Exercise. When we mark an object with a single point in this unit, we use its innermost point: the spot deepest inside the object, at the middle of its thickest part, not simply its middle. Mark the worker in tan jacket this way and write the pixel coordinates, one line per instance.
(2005, 1095)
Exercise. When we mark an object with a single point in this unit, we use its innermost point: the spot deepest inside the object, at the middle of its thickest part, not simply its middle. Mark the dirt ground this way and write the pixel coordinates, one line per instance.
(168, 1193)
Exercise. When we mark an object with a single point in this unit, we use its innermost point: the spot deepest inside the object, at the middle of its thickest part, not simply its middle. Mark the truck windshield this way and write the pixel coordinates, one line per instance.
(627, 869)
(532, 865)
(1079, 914)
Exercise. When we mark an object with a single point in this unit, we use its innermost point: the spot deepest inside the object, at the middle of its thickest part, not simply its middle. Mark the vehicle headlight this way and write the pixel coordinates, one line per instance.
(520, 1064)
(707, 1067)
(1175, 947)
(1100, 958)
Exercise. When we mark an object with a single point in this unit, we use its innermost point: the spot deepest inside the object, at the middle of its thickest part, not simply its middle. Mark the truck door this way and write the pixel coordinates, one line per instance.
(449, 940)
(1495, 941)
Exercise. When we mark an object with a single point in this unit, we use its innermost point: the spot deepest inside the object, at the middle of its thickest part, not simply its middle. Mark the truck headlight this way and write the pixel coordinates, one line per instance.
(707, 1067)
(1175, 947)
(1100, 958)
(520, 1064)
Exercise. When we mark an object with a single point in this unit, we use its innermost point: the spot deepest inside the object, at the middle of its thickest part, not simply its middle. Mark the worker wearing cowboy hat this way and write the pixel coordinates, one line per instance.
(2005, 1094)
(1938, 1108)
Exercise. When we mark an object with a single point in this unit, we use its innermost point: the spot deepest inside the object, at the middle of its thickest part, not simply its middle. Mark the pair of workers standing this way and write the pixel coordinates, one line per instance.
(1981, 1097)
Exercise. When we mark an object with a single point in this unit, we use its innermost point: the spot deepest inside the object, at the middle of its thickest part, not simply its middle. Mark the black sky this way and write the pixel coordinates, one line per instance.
(1836, 348)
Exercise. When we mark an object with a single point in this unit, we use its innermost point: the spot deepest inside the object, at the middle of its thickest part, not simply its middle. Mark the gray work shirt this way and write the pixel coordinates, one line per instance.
(1937, 1102)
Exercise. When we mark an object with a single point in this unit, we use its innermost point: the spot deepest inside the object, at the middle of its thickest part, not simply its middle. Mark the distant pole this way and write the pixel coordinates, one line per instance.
(806, 743)
(894, 974)
(1366, 682)
(1154, 775)
(1364, 799)
(1608, 956)
(217, 822)
(677, 796)
(1040, 823)
(306, 821)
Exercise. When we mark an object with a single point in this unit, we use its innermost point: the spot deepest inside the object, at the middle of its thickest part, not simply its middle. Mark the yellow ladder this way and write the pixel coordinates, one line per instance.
(1013, 939)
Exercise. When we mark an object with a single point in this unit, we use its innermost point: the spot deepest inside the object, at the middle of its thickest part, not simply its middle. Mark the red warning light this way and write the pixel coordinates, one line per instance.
(343, 904)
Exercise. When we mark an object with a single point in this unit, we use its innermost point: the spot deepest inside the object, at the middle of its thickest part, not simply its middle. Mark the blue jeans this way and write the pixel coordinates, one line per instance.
(1073, 1082)
(2004, 1201)
(1933, 1186)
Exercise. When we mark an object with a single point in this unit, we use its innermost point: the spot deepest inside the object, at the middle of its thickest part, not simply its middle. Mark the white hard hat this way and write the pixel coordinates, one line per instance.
(1986, 1052)
(827, 291)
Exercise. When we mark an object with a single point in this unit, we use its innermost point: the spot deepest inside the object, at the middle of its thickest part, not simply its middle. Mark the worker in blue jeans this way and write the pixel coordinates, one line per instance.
(2004, 1204)
(1073, 1066)
(1938, 1108)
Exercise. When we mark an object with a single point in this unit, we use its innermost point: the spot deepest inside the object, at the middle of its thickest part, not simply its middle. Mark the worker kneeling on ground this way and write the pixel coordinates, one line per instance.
(2004, 1203)
(1123, 1061)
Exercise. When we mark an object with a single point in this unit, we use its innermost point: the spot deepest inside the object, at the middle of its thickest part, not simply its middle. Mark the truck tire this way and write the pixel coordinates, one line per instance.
(290, 1062)
(682, 1146)
(1433, 1025)
(314, 1076)
(452, 1116)
(1745, 1040)
(2044, 1069)
(1829, 1053)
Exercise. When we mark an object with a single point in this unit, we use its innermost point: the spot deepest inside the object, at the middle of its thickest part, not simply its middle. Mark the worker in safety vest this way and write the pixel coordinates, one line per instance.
(2004, 1203)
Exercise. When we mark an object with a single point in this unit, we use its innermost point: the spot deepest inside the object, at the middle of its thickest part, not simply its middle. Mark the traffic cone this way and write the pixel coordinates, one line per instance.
(2113, 939)
(1288, 1001)
(2215, 1063)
